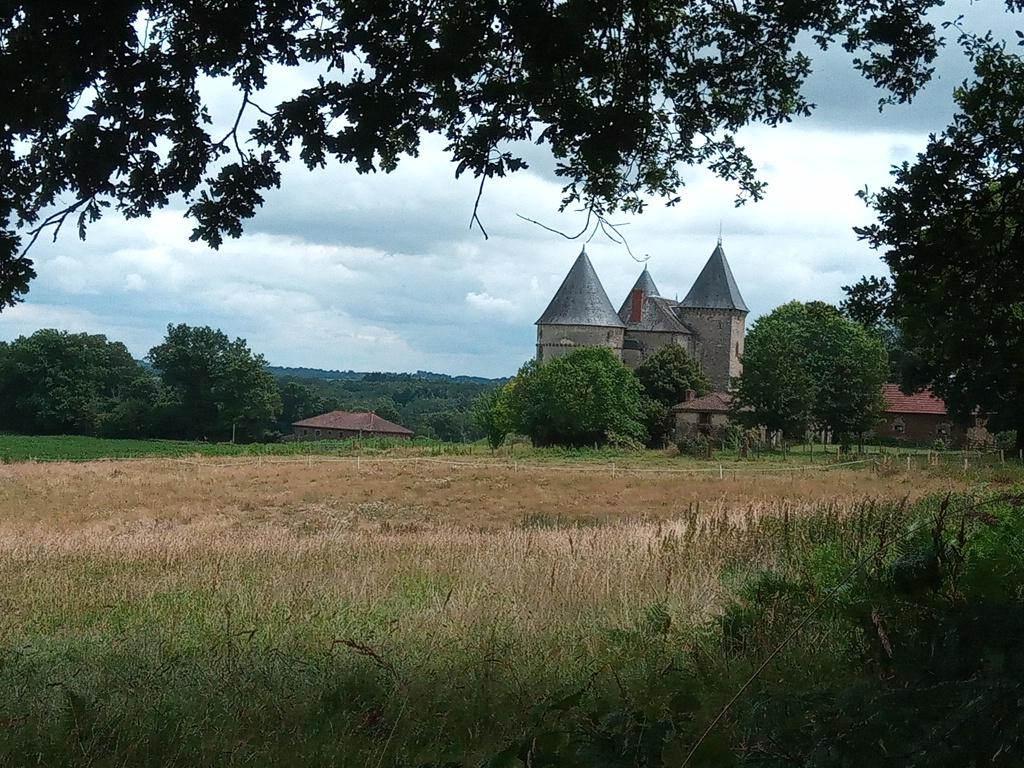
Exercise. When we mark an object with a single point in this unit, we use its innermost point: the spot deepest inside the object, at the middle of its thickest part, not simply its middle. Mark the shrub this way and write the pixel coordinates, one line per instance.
(696, 445)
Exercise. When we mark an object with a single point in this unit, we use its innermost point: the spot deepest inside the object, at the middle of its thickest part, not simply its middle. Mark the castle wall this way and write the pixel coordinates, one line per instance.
(649, 342)
(719, 348)
(559, 340)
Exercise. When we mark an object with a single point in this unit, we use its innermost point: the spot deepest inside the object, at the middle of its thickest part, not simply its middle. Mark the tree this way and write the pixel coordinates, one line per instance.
(848, 365)
(807, 365)
(867, 303)
(298, 401)
(950, 227)
(221, 385)
(103, 105)
(776, 390)
(449, 426)
(587, 397)
(492, 414)
(56, 382)
(666, 377)
(669, 374)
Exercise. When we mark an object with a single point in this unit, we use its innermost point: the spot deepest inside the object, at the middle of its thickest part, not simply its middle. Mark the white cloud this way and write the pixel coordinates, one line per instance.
(382, 272)
(490, 305)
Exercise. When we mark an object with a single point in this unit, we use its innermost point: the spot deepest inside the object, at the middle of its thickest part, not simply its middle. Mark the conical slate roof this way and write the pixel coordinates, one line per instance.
(581, 299)
(715, 287)
(644, 283)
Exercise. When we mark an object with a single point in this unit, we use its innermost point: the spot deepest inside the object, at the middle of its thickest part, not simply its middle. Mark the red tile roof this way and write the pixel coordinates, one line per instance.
(354, 422)
(714, 402)
(919, 402)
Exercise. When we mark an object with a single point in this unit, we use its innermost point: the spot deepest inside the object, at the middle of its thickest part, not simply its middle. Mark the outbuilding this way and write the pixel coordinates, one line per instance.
(922, 418)
(342, 425)
(707, 415)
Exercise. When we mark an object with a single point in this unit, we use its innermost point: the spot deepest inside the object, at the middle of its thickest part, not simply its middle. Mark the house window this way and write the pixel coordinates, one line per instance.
(317, 433)
(942, 430)
(703, 418)
(898, 427)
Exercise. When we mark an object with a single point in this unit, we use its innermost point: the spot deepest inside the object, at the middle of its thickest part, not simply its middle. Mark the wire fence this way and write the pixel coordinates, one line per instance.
(909, 461)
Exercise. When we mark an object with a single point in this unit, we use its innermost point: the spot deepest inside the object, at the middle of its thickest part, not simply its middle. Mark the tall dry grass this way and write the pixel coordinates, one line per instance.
(308, 554)
(358, 616)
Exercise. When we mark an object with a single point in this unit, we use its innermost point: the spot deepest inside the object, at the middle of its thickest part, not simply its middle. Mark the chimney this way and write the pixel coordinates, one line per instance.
(690, 395)
(636, 307)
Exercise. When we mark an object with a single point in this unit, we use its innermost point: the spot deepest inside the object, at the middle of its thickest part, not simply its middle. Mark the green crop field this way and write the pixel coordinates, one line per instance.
(80, 448)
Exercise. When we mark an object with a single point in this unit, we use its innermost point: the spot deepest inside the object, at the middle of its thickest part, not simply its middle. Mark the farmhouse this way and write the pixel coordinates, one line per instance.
(708, 415)
(709, 322)
(922, 419)
(338, 425)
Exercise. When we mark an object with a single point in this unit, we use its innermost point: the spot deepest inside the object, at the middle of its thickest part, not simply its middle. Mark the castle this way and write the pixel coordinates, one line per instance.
(709, 323)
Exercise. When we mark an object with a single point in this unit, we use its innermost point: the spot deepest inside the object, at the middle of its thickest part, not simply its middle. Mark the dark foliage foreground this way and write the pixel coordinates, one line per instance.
(905, 650)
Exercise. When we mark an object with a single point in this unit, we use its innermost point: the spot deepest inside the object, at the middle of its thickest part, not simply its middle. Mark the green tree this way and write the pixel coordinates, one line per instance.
(221, 385)
(143, 408)
(625, 96)
(58, 382)
(776, 390)
(669, 373)
(449, 426)
(657, 419)
(848, 365)
(807, 365)
(386, 408)
(587, 397)
(492, 414)
(867, 303)
(298, 401)
(950, 228)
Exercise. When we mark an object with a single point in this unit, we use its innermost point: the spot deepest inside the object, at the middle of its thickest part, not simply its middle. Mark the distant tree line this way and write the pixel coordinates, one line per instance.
(199, 384)
(438, 407)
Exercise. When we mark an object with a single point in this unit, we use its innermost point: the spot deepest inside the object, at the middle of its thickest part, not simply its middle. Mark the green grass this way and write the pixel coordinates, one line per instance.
(80, 448)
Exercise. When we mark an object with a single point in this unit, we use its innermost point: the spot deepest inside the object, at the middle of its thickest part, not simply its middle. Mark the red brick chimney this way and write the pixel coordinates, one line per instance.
(636, 307)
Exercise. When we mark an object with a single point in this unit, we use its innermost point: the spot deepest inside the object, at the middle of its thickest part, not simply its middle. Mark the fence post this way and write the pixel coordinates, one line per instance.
(965, 463)
(721, 472)
(908, 462)
(1002, 456)
(613, 469)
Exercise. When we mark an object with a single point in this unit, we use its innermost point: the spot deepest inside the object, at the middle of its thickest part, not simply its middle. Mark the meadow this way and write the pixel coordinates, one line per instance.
(68, 448)
(239, 612)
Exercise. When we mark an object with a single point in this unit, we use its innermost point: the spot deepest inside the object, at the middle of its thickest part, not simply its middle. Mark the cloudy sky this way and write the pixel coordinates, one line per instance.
(382, 272)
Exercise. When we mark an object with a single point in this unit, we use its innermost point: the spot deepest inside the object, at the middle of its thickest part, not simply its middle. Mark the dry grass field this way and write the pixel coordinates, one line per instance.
(465, 590)
(110, 495)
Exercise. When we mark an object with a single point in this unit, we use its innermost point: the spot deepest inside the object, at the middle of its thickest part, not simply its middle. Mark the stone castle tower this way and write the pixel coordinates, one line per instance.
(579, 315)
(709, 323)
